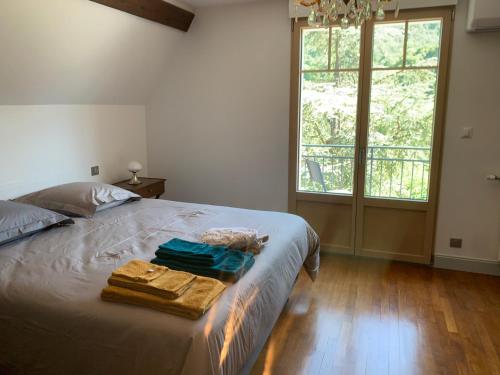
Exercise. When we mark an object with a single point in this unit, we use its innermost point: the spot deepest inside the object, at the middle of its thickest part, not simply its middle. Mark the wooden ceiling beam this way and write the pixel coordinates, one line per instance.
(154, 10)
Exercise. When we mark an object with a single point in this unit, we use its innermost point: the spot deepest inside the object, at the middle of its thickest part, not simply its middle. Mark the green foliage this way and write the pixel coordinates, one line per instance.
(315, 49)
(402, 106)
(345, 48)
(388, 45)
(423, 43)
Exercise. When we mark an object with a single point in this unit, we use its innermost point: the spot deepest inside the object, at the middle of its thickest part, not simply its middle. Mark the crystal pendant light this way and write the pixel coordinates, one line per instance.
(380, 14)
(344, 23)
(311, 20)
(353, 11)
(314, 19)
(350, 12)
(368, 11)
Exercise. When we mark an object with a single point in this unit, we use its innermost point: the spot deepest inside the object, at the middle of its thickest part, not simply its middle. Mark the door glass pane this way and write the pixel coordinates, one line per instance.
(424, 40)
(388, 45)
(328, 116)
(402, 108)
(345, 48)
(315, 49)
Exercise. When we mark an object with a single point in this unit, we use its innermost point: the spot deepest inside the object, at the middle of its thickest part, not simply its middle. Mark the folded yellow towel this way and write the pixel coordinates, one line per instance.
(140, 271)
(195, 301)
(171, 284)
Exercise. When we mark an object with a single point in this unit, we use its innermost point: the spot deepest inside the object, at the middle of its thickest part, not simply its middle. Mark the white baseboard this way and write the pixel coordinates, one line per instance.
(488, 267)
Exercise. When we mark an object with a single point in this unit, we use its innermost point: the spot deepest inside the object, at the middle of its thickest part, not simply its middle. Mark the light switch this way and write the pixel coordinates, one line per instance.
(467, 133)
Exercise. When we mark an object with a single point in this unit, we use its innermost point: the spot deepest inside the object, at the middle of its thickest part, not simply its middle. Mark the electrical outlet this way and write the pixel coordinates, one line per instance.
(94, 171)
(456, 243)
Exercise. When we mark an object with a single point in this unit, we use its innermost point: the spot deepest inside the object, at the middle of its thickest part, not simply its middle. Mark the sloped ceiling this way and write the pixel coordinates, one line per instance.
(79, 52)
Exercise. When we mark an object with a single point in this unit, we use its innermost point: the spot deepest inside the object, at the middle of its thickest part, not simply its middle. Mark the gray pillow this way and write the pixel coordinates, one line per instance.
(79, 198)
(19, 220)
(107, 206)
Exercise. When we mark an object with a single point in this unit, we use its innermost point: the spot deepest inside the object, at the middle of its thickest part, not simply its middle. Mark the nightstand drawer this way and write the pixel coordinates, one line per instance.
(151, 190)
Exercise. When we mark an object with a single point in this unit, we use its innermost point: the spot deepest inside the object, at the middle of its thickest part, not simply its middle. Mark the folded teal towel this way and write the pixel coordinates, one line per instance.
(231, 268)
(199, 253)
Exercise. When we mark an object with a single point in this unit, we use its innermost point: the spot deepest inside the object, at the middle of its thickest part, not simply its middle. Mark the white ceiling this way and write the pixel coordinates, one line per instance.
(81, 52)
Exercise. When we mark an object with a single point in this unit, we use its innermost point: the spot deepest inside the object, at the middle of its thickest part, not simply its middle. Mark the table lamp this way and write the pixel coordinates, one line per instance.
(134, 167)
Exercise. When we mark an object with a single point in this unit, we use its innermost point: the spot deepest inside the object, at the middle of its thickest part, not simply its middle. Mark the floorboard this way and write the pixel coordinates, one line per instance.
(372, 317)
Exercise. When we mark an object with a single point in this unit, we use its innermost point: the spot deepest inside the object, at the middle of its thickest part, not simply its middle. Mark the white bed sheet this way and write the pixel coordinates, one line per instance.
(52, 320)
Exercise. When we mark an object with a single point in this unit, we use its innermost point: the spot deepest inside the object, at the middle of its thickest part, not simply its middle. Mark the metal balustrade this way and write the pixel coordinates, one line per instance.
(399, 172)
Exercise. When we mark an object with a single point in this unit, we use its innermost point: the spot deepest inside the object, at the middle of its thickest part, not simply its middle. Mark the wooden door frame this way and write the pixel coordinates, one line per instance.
(447, 14)
(294, 141)
(430, 206)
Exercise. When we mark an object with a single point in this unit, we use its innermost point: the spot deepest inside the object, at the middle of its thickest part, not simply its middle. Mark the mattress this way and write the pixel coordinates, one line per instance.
(52, 320)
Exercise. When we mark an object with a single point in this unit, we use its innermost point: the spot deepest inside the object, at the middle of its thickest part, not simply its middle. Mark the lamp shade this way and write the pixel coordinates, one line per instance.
(134, 166)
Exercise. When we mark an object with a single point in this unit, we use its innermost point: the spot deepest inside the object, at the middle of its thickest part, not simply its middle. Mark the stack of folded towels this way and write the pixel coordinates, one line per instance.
(219, 262)
(160, 288)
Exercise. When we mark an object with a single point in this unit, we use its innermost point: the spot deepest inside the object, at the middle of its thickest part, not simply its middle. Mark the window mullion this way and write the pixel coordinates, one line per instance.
(329, 48)
(405, 45)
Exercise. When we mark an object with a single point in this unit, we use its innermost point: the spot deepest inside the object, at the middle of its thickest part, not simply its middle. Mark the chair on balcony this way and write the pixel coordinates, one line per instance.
(315, 172)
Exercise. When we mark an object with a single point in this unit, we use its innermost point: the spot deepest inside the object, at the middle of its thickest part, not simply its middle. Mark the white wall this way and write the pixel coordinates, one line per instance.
(469, 205)
(41, 146)
(218, 125)
(79, 52)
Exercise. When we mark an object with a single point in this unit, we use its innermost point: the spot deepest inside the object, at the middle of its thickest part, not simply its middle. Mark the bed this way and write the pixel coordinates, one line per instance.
(52, 320)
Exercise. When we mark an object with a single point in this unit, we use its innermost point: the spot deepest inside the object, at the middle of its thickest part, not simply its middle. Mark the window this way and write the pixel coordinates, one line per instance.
(402, 58)
(366, 126)
(328, 108)
(402, 106)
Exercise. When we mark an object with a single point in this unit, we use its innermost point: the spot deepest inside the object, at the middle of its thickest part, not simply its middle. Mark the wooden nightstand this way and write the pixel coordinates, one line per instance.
(150, 187)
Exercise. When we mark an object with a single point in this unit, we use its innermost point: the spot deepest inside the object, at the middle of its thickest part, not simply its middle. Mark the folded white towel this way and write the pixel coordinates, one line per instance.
(244, 239)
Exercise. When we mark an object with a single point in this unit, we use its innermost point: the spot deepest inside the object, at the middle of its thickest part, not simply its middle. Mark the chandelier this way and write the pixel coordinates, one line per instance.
(350, 12)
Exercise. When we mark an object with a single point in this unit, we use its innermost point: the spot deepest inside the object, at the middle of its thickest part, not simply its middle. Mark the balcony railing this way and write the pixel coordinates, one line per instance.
(398, 172)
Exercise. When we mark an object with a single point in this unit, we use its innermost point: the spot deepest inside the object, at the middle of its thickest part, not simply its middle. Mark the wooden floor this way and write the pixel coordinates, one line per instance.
(369, 317)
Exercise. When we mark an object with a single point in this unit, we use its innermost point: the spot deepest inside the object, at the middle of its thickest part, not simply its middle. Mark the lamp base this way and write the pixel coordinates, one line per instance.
(134, 180)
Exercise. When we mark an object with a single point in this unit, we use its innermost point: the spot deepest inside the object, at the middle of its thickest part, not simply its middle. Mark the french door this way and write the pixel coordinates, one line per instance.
(366, 127)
